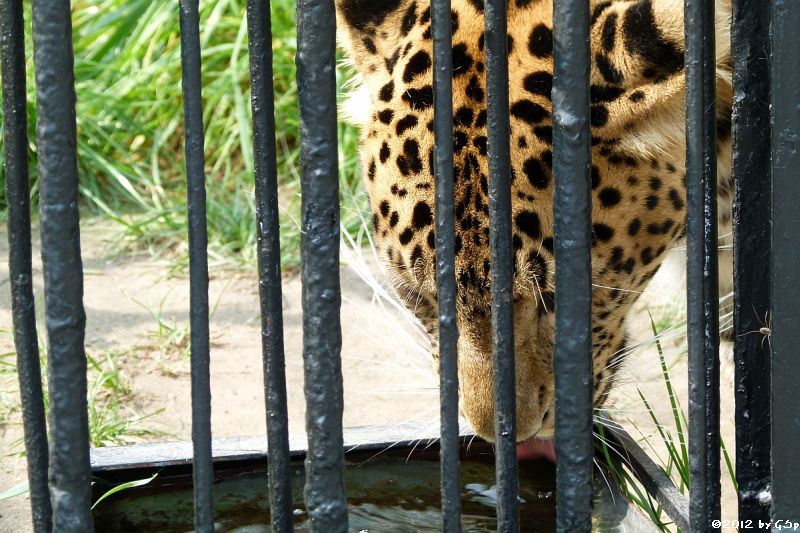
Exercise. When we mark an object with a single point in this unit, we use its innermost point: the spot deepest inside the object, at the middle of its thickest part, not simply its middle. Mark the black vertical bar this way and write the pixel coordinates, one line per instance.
(70, 473)
(259, 26)
(752, 266)
(701, 254)
(322, 331)
(203, 473)
(445, 263)
(572, 205)
(785, 325)
(505, 422)
(29, 372)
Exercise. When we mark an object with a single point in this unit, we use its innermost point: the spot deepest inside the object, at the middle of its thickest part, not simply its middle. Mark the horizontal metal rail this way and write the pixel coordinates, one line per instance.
(648, 473)
(234, 449)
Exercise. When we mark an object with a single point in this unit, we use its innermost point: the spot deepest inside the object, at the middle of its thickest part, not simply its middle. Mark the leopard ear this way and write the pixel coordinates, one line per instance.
(370, 30)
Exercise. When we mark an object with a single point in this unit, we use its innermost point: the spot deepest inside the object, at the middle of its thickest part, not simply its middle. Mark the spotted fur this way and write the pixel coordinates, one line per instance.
(638, 178)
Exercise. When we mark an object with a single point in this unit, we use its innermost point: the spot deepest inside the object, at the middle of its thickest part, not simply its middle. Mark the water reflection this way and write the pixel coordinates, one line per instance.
(385, 494)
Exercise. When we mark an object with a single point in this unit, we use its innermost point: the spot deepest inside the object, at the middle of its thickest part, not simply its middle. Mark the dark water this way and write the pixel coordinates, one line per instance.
(385, 494)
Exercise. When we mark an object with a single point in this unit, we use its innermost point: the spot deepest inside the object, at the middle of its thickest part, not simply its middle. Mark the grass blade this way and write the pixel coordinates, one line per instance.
(124, 486)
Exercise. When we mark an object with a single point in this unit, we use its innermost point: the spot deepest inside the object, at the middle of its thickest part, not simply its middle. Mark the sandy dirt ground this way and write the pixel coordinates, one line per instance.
(137, 312)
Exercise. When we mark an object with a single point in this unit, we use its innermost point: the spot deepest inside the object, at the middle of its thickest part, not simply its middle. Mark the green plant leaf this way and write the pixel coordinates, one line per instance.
(15, 491)
(729, 464)
(677, 411)
(124, 486)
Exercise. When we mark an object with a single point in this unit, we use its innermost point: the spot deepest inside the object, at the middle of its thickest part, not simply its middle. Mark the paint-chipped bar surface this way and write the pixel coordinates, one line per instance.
(502, 264)
(269, 262)
(572, 234)
(785, 333)
(70, 476)
(15, 146)
(445, 264)
(322, 332)
(198, 267)
(751, 216)
(702, 313)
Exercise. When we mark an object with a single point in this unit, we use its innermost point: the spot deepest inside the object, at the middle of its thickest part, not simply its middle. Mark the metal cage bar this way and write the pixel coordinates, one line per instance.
(751, 216)
(269, 262)
(785, 334)
(70, 472)
(198, 266)
(502, 264)
(572, 206)
(26, 341)
(766, 269)
(441, 26)
(322, 333)
(701, 259)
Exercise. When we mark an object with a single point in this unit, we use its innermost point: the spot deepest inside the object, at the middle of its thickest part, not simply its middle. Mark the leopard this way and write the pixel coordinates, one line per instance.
(638, 178)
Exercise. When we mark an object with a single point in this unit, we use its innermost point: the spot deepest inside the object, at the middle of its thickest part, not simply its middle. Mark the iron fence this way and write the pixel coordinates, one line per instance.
(766, 128)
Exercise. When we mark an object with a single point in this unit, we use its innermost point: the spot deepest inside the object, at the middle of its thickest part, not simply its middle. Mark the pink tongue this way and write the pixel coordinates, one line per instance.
(533, 449)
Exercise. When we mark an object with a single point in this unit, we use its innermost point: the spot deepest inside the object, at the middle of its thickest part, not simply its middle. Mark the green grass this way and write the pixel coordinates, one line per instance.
(23, 488)
(676, 464)
(130, 126)
(112, 419)
(170, 337)
(9, 397)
